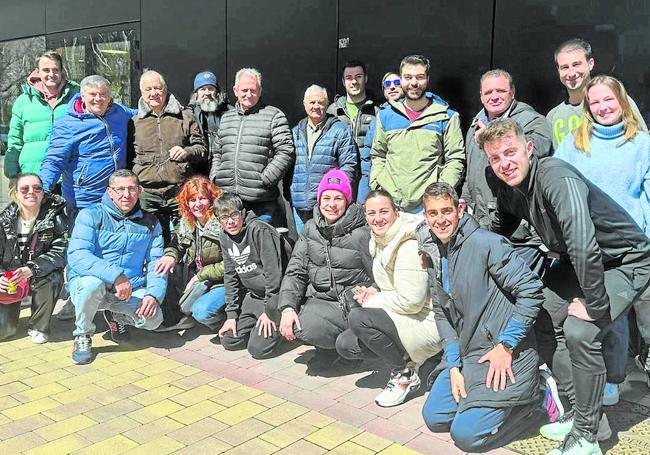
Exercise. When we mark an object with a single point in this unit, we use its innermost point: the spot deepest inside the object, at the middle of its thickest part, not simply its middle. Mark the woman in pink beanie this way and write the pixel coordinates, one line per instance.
(330, 258)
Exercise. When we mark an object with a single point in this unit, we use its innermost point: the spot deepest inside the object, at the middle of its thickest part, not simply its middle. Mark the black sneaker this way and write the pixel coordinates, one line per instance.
(116, 330)
(642, 361)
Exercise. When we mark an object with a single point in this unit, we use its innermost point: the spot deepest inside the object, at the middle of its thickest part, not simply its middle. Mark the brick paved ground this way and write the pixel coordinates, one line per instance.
(171, 393)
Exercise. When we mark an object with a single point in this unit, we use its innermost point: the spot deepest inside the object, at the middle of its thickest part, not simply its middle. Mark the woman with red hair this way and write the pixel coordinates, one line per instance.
(195, 243)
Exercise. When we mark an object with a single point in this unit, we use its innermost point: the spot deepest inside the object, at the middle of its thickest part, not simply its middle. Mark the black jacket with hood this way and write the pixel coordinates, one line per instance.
(491, 290)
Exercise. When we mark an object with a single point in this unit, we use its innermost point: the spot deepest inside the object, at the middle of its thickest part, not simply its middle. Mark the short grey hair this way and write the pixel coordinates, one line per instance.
(122, 173)
(95, 81)
(248, 72)
(150, 73)
(316, 90)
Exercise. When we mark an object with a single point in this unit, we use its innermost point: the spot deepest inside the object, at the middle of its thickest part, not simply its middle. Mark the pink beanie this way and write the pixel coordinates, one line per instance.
(335, 179)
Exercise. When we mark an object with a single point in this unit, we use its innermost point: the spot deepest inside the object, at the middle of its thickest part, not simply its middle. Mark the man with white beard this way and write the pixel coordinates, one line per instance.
(207, 104)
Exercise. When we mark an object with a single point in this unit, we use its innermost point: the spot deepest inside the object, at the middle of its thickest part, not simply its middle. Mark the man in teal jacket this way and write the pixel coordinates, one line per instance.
(42, 101)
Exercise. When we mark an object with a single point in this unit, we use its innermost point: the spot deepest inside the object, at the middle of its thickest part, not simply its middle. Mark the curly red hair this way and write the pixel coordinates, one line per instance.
(194, 186)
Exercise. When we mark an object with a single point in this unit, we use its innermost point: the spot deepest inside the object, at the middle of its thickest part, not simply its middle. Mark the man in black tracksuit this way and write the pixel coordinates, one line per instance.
(604, 256)
(255, 257)
(487, 301)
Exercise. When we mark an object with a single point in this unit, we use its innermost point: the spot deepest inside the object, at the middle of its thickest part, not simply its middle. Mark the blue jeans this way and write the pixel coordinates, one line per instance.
(208, 309)
(472, 430)
(90, 294)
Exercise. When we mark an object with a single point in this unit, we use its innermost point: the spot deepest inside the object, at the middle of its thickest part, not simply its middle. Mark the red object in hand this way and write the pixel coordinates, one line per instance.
(12, 288)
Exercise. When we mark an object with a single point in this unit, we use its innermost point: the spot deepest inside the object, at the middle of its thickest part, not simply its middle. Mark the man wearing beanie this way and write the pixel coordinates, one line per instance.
(330, 258)
(207, 104)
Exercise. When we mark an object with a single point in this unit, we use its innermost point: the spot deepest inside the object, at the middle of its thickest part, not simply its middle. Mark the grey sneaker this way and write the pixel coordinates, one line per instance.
(401, 383)
(577, 445)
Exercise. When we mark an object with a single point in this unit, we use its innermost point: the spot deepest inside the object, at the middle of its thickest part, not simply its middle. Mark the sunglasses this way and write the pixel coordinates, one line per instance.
(35, 188)
(389, 82)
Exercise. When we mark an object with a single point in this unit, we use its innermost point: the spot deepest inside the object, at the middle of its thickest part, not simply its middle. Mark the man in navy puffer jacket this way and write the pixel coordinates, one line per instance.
(322, 142)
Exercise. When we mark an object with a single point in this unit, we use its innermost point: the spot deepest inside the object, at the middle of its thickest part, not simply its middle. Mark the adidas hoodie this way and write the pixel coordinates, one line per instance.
(254, 261)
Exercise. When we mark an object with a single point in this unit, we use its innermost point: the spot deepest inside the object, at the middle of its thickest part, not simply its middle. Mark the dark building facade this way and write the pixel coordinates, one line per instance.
(296, 43)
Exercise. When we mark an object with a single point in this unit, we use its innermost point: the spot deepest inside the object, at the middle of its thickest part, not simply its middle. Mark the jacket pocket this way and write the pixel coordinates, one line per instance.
(82, 174)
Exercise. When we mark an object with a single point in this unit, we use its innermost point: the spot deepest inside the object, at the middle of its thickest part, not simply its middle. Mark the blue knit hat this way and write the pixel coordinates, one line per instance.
(205, 78)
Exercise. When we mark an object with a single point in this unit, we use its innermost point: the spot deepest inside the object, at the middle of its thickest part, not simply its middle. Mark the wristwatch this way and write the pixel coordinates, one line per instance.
(507, 346)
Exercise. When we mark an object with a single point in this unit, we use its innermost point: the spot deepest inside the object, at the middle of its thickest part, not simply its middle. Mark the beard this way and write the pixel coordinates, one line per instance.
(208, 105)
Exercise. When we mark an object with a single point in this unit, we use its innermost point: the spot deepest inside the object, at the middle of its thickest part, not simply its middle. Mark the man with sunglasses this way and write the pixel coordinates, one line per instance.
(417, 140)
(112, 256)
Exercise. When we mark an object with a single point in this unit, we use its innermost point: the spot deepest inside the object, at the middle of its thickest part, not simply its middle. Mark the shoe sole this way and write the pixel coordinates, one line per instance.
(412, 388)
(553, 394)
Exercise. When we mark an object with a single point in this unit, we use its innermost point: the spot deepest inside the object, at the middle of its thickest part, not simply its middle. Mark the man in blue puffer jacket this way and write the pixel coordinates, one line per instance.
(88, 144)
(322, 142)
(112, 256)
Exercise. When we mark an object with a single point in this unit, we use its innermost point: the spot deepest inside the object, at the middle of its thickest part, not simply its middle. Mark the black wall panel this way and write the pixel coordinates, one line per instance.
(21, 18)
(181, 38)
(71, 14)
(292, 43)
(527, 33)
(454, 35)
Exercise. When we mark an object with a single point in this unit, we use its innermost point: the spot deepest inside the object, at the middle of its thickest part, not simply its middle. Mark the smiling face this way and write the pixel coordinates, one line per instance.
(354, 81)
(199, 206)
(153, 92)
(124, 192)
(29, 192)
(96, 100)
(604, 105)
(380, 214)
(50, 72)
(574, 69)
(248, 92)
(442, 216)
(392, 87)
(496, 95)
(332, 205)
(316, 107)
(509, 158)
(414, 81)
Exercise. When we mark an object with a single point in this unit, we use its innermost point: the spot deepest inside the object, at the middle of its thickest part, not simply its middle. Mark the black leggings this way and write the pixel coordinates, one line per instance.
(371, 329)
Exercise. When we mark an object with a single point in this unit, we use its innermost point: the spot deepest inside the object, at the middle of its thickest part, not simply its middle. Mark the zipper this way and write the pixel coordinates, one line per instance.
(109, 136)
(160, 141)
(241, 127)
(489, 335)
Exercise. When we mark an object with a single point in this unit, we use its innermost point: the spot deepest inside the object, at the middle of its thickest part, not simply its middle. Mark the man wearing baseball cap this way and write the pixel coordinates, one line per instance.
(207, 104)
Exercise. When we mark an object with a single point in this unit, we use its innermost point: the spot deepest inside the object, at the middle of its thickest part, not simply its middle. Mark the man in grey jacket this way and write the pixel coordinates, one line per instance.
(253, 149)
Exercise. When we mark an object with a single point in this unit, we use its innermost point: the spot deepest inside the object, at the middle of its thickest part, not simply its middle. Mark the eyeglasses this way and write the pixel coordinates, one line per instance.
(235, 216)
(35, 188)
(394, 82)
(125, 189)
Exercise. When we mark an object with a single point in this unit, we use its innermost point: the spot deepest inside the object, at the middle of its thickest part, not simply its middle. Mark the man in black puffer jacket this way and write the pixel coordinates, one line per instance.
(253, 149)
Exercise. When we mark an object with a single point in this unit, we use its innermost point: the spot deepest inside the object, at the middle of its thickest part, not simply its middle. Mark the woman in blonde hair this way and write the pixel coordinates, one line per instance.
(612, 151)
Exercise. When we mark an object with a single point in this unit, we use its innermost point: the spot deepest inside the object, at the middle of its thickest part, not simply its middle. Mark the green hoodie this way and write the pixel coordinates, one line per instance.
(30, 127)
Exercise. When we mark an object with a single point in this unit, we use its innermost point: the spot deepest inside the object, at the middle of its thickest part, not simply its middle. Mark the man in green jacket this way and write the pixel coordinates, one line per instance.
(418, 140)
(42, 101)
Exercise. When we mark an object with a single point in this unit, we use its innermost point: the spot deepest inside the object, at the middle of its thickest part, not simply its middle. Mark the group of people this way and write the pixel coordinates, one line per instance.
(511, 251)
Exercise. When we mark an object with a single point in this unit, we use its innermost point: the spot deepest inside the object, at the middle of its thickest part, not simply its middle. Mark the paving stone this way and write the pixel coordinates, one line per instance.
(281, 414)
(36, 393)
(153, 430)
(46, 378)
(25, 425)
(205, 446)
(109, 429)
(20, 443)
(268, 400)
(196, 395)
(371, 441)
(158, 394)
(254, 446)
(12, 387)
(113, 410)
(197, 430)
(239, 412)
(158, 446)
(350, 448)
(155, 411)
(302, 447)
(243, 431)
(117, 394)
(333, 435)
(316, 419)
(196, 412)
(288, 433)
(196, 380)
(151, 382)
(70, 410)
(19, 375)
(79, 393)
(65, 427)
(390, 430)
(311, 400)
(349, 414)
(428, 444)
(67, 444)
(396, 449)
(29, 409)
(112, 446)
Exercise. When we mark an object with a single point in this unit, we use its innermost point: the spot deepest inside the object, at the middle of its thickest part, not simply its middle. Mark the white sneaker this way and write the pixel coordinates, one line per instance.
(400, 384)
(38, 337)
